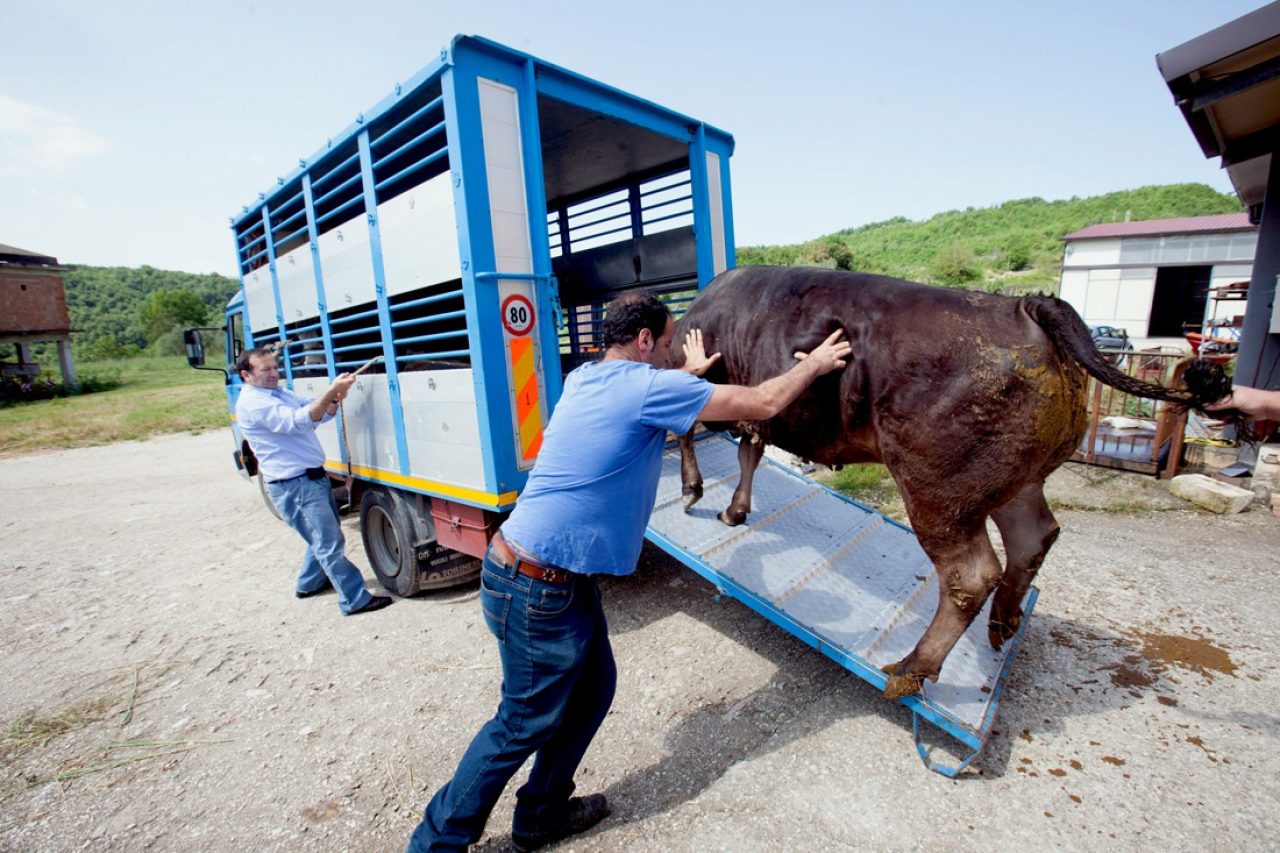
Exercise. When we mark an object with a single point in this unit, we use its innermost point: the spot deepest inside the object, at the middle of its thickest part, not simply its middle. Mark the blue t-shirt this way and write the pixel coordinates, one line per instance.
(590, 494)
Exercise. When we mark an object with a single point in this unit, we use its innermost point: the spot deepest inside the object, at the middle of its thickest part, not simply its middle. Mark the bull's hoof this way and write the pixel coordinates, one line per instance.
(691, 495)
(1000, 630)
(732, 517)
(905, 684)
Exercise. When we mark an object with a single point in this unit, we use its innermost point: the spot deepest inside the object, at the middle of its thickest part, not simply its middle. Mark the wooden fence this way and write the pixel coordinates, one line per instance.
(1133, 433)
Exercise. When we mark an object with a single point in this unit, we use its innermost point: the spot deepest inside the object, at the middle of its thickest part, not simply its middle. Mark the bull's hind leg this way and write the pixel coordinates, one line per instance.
(750, 449)
(1028, 530)
(968, 570)
(690, 474)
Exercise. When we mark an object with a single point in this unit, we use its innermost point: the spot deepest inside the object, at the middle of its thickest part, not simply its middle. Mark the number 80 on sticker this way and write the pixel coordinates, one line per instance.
(517, 315)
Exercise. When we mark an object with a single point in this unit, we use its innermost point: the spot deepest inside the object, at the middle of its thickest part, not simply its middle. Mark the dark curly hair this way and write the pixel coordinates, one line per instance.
(631, 312)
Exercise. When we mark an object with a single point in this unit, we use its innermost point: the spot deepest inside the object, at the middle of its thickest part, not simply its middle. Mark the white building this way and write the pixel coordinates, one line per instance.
(1153, 277)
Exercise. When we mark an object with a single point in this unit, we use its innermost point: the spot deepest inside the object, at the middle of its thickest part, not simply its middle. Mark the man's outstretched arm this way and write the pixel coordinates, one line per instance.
(763, 401)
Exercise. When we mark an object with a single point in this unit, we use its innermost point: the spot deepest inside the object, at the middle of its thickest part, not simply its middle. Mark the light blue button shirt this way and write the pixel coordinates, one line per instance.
(280, 431)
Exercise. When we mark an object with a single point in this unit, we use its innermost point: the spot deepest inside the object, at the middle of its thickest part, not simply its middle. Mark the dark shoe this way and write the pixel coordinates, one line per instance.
(376, 602)
(582, 814)
(328, 587)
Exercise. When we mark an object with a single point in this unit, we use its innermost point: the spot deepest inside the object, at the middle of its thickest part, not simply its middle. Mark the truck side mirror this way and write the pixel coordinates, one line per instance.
(195, 348)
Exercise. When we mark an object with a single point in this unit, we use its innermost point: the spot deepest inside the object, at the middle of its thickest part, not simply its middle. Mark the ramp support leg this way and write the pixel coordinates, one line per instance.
(950, 772)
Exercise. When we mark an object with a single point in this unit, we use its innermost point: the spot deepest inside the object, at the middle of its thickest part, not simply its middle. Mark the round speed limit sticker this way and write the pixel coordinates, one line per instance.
(517, 315)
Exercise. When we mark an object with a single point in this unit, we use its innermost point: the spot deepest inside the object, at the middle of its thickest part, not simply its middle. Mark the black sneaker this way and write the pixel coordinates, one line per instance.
(375, 602)
(582, 814)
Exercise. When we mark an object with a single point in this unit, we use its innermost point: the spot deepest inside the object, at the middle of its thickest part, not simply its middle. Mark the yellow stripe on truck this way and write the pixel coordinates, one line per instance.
(462, 493)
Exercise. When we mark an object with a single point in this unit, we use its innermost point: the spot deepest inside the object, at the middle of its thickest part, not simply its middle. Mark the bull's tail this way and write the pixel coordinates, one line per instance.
(1206, 383)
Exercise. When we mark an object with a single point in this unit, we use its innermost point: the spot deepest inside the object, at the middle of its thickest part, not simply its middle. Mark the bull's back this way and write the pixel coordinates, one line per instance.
(972, 363)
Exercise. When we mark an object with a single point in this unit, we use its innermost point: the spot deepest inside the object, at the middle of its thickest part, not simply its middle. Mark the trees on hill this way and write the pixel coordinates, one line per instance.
(119, 311)
(1018, 241)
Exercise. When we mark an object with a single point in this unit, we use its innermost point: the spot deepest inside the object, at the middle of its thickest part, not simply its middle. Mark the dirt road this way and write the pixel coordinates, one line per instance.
(163, 689)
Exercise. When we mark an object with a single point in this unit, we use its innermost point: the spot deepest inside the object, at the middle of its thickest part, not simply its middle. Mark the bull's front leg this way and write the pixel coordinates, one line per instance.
(750, 449)
(690, 475)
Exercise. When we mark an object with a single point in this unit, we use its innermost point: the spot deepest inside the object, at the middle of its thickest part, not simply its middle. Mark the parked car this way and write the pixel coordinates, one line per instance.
(1110, 338)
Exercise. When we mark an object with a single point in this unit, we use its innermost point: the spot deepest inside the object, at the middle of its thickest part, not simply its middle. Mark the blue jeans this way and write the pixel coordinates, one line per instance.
(307, 506)
(558, 678)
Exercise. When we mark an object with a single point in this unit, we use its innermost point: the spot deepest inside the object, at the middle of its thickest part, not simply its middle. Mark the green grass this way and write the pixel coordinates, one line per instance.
(156, 395)
(869, 484)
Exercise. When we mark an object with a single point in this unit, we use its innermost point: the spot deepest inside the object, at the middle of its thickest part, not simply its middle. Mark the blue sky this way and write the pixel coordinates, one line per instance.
(131, 131)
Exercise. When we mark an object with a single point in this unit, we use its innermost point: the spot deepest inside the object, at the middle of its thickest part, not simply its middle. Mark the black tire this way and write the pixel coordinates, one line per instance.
(388, 534)
(266, 496)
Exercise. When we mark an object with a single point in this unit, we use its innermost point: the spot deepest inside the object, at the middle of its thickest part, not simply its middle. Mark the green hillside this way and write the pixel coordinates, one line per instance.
(1016, 245)
(120, 306)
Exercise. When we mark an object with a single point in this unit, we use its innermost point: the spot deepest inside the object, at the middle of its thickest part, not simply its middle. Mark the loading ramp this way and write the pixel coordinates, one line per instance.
(844, 578)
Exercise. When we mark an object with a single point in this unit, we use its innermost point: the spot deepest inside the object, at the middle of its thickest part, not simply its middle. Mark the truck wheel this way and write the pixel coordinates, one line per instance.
(388, 534)
(266, 496)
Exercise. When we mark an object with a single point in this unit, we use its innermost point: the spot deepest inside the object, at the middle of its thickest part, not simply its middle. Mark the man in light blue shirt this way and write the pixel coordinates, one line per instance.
(280, 427)
(583, 513)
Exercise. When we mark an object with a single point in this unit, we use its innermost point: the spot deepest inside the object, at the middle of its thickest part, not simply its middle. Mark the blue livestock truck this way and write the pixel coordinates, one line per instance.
(468, 229)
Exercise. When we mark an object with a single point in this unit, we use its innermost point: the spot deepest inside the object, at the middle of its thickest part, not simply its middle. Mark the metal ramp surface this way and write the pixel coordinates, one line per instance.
(844, 578)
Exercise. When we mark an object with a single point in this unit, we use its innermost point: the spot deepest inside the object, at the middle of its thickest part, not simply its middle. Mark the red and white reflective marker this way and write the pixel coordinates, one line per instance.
(517, 315)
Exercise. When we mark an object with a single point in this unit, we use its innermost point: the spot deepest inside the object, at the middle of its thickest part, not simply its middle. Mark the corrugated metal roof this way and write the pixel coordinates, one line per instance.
(1157, 227)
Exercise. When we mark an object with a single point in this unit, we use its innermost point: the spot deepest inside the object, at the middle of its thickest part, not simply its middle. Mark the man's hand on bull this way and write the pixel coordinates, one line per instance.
(696, 360)
(831, 354)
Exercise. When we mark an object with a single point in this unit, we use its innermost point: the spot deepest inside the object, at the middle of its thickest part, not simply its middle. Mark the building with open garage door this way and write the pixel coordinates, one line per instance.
(1161, 279)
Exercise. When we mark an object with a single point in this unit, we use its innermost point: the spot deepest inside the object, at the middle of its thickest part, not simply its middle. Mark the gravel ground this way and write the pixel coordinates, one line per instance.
(163, 689)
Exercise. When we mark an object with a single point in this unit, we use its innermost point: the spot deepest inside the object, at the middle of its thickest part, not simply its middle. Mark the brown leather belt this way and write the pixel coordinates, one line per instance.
(525, 566)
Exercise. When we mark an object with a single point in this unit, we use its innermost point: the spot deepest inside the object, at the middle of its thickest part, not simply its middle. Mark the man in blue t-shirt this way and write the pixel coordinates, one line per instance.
(583, 513)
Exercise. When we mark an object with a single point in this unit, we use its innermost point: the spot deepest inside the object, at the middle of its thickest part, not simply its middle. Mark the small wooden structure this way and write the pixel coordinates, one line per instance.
(1133, 433)
(33, 309)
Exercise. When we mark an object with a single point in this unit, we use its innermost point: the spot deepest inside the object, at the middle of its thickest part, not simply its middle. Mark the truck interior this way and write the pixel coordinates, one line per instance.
(619, 218)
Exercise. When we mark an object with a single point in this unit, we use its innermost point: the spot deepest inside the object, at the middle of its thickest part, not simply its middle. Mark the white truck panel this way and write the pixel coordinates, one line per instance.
(441, 427)
(296, 273)
(719, 263)
(260, 299)
(346, 262)
(419, 237)
(504, 167)
(371, 433)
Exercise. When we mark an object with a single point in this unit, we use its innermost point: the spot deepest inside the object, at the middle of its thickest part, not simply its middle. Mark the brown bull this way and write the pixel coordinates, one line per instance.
(970, 400)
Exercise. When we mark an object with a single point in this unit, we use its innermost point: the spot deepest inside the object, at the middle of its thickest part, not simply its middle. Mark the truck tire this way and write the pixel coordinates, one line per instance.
(266, 496)
(388, 533)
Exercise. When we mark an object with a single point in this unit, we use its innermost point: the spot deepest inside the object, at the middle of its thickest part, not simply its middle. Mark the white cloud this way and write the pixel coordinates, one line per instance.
(38, 141)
